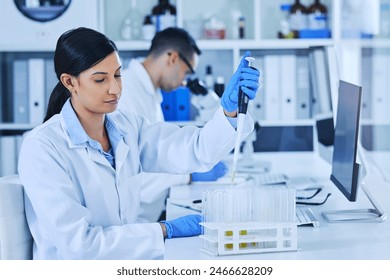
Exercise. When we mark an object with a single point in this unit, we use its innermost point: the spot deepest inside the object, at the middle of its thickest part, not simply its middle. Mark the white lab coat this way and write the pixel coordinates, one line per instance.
(79, 207)
(139, 96)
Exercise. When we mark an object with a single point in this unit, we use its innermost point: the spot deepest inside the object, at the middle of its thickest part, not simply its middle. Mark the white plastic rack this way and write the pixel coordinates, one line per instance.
(247, 238)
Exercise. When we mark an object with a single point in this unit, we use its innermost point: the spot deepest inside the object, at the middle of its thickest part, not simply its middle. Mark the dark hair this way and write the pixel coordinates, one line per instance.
(174, 38)
(77, 50)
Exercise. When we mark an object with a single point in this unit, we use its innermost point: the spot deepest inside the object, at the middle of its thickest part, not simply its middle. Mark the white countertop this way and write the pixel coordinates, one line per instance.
(327, 242)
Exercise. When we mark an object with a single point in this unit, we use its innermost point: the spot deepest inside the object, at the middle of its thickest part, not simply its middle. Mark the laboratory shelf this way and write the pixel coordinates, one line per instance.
(226, 44)
(264, 44)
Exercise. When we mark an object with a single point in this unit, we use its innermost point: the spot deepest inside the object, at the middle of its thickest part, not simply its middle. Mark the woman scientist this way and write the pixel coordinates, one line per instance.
(80, 167)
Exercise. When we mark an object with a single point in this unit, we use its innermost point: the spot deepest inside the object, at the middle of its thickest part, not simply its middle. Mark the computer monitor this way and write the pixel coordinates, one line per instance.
(345, 169)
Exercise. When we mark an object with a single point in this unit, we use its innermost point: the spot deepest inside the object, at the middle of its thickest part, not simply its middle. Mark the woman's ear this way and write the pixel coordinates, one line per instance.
(67, 81)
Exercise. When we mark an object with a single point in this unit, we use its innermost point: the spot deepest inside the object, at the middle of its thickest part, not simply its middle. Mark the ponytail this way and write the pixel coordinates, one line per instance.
(57, 99)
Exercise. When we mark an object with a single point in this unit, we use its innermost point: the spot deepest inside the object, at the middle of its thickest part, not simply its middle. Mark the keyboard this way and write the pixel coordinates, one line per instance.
(305, 217)
(270, 179)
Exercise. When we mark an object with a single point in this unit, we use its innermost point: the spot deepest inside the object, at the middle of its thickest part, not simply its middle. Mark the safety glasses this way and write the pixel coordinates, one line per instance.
(185, 60)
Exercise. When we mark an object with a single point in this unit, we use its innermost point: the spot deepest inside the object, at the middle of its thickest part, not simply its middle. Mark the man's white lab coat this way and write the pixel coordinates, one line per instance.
(139, 96)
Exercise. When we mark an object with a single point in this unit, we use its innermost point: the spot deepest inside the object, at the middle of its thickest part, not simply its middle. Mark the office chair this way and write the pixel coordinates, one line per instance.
(15, 237)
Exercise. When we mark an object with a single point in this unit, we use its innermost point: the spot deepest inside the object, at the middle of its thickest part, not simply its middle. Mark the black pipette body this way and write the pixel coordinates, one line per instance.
(243, 99)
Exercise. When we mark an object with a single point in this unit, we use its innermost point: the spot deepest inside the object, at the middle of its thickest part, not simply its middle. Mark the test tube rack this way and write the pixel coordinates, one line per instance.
(249, 219)
(248, 238)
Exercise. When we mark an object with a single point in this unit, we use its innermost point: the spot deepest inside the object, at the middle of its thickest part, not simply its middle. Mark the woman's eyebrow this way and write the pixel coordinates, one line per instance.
(97, 73)
(105, 73)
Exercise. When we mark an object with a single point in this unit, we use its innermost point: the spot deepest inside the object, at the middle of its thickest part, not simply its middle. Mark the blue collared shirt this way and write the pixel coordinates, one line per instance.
(78, 135)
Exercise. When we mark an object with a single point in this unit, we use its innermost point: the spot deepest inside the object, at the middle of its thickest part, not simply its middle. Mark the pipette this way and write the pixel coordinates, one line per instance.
(243, 101)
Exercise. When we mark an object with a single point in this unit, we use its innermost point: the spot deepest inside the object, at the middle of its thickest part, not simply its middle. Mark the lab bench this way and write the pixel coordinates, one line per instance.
(329, 241)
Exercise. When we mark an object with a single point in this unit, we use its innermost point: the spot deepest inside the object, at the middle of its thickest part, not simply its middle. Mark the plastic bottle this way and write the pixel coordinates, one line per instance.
(166, 15)
(126, 29)
(298, 16)
(241, 27)
(131, 26)
(285, 29)
(317, 16)
(209, 79)
(214, 28)
(148, 28)
(155, 12)
(235, 27)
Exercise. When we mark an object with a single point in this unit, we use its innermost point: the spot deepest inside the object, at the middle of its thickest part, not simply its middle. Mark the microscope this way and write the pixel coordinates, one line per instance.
(206, 101)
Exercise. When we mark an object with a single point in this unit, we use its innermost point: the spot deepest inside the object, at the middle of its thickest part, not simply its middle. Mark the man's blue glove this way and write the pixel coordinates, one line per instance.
(216, 172)
(183, 226)
(245, 78)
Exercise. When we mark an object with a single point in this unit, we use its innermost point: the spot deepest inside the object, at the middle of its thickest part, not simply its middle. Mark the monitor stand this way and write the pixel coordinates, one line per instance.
(369, 215)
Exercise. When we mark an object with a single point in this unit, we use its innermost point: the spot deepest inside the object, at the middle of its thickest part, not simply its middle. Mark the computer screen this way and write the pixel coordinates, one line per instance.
(345, 170)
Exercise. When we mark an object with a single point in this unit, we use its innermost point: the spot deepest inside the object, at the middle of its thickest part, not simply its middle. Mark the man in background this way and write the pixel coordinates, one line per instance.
(172, 56)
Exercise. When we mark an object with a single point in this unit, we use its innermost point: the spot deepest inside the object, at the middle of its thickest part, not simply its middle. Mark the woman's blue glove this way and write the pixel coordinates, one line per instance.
(216, 172)
(183, 226)
(245, 78)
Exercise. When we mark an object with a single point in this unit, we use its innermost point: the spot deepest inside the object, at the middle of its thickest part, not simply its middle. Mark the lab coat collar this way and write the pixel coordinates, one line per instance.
(116, 135)
(78, 136)
(73, 126)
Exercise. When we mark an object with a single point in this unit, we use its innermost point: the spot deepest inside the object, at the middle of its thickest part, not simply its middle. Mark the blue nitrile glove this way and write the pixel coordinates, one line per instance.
(245, 77)
(183, 226)
(214, 174)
